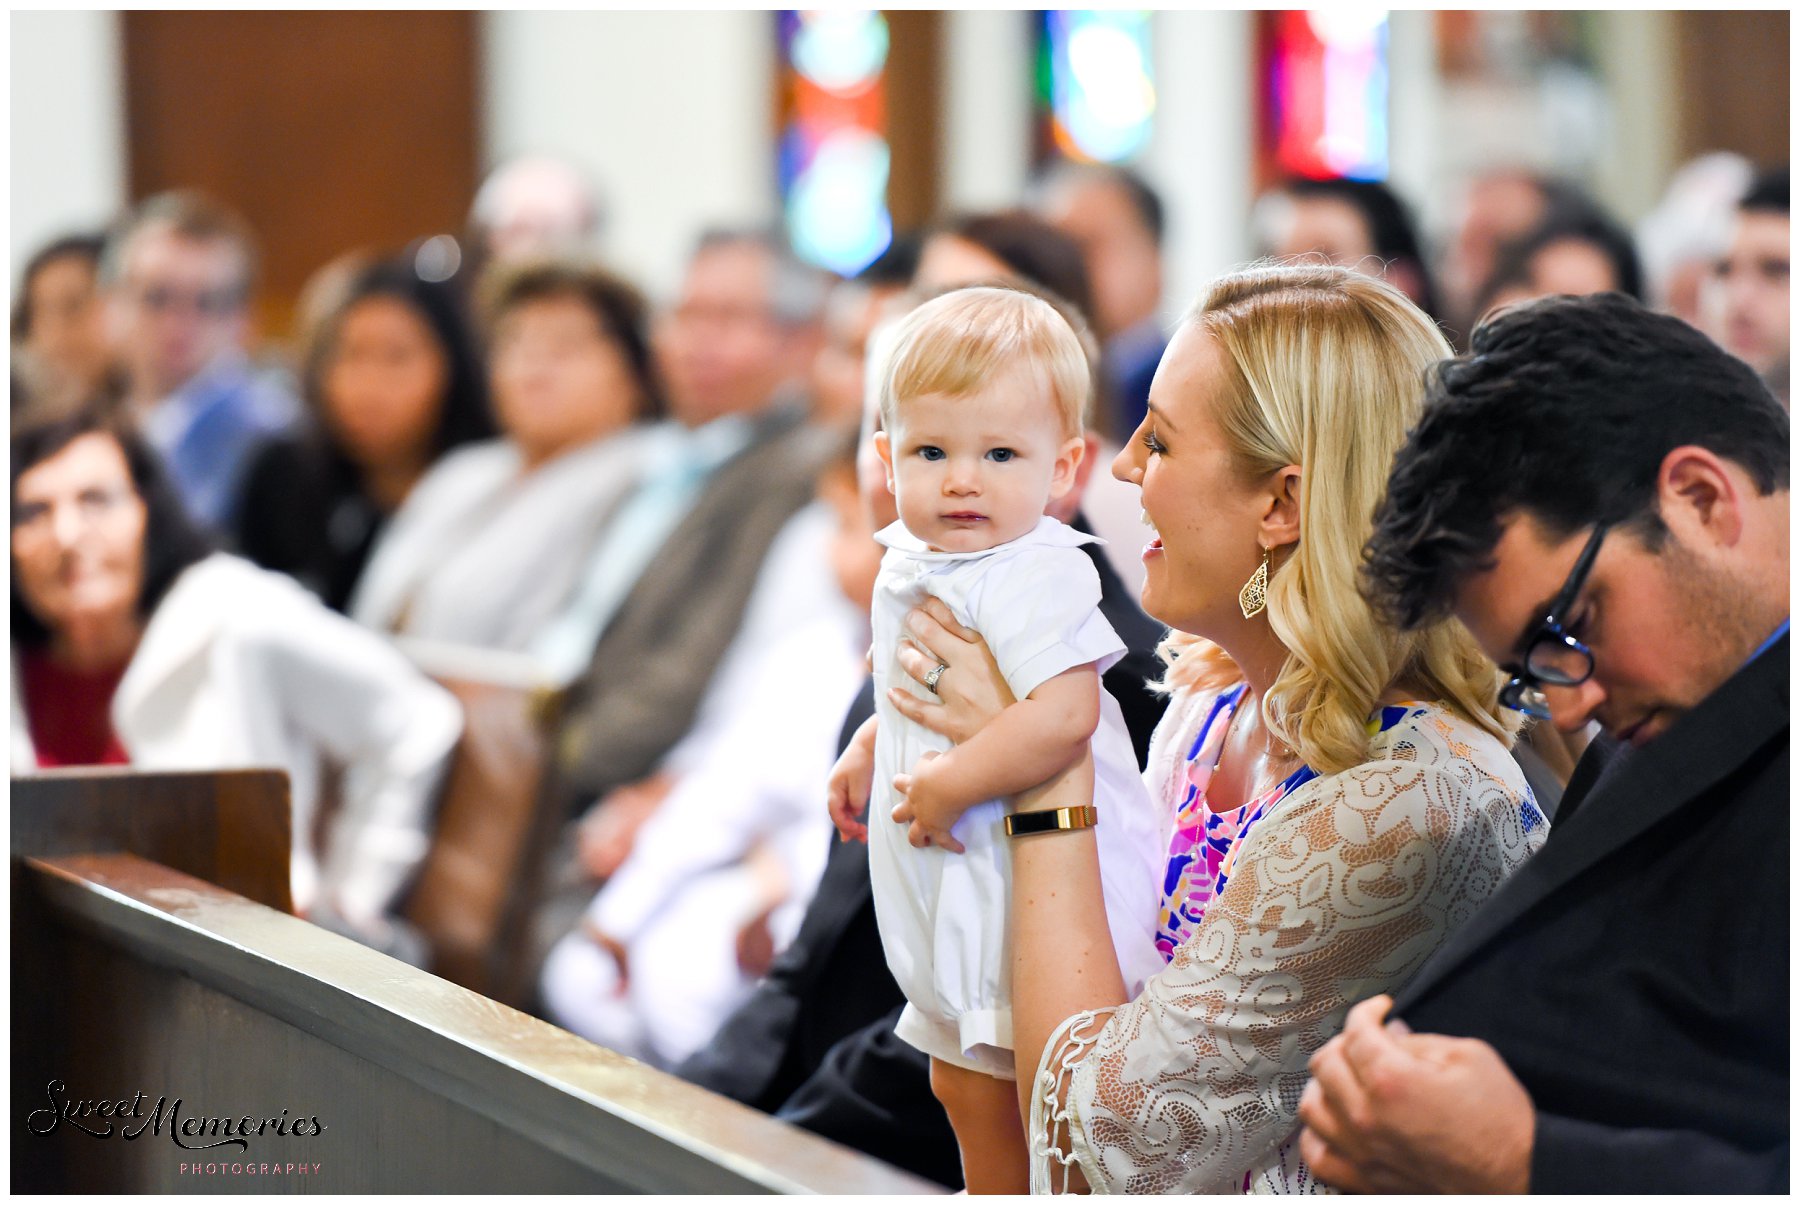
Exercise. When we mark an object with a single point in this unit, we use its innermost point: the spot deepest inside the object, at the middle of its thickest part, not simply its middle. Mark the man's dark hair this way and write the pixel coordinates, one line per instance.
(172, 540)
(1144, 200)
(1563, 410)
(1391, 229)
(621, 311)
(1768, 193)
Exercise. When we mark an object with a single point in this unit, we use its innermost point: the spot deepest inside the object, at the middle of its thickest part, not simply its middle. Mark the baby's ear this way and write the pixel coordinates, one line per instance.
(885, 451)
(1068, 474)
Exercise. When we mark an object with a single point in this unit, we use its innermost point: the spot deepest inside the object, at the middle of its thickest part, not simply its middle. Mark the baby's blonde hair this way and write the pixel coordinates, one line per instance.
(957, 343)
(1325, 369)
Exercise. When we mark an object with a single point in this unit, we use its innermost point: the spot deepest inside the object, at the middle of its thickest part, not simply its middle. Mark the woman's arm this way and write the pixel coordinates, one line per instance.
(1038, 739)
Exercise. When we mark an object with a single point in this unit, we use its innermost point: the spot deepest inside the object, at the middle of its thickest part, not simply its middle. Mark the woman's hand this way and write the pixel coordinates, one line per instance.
(970, 690)
(923, 807)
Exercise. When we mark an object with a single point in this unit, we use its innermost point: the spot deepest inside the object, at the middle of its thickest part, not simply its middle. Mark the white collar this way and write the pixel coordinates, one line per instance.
(1049, 532)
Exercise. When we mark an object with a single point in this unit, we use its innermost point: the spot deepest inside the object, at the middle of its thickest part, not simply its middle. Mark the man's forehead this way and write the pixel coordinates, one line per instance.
(1499, 602)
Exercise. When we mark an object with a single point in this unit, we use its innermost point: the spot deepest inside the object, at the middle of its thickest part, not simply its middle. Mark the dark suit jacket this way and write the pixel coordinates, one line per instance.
(815, 1045)
(1634, 974)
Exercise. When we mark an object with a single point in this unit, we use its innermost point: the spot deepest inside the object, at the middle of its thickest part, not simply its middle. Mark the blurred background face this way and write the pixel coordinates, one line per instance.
(383, 382)
(1498, 208)
(1574, 267)
(721, 348)
(1123, 263)
(179, 304)
(559, 378)
(948, 262)
(78, 534)
(1748, 297)
(1327, 226)
(837, 370)
(67, 338)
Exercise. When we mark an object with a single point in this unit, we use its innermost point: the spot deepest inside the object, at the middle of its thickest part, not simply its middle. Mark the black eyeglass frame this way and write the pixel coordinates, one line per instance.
(1522, 693)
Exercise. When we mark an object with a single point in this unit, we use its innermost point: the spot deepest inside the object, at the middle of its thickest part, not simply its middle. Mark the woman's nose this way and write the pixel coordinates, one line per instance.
(1128, 465)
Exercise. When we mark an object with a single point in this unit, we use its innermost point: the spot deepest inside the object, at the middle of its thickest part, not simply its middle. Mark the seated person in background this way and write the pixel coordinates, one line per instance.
(1499, 206)
(1358, 224)
(1576, 256)
(134, 643)
(699, 569)
(1615, 1019)
(852, 311)
(1341, 793)
(177, 274)
(1745, 305)
(488, 544)
(61, 353)
(393, 384)
(983, 392)
(718, 877)
(1116, 218)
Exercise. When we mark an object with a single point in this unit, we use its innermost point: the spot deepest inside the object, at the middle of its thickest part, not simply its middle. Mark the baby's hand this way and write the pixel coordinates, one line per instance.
(851, 780)
(922, 807)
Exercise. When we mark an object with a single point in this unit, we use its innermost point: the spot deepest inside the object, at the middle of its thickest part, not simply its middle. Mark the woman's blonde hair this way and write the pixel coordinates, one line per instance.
(1325, 369)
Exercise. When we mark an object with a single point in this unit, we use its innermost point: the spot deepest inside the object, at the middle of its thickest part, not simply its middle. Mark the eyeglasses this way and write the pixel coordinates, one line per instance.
(208, 303)
(1552, 656)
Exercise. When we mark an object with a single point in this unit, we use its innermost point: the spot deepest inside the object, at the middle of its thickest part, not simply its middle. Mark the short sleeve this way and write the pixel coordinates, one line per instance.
(1039, 611)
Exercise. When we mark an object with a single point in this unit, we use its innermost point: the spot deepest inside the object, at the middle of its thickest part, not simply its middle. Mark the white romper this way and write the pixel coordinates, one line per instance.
(943, 916)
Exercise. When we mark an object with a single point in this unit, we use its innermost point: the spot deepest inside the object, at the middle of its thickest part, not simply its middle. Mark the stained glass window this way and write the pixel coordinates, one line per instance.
(1096, 87)
(833, 150)
(1325, 89)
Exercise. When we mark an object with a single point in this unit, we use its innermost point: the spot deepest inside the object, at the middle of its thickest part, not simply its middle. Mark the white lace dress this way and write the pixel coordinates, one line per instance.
(1340, 891)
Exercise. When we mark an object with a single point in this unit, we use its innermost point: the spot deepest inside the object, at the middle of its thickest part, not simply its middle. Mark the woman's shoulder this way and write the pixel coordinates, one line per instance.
(1459, 754)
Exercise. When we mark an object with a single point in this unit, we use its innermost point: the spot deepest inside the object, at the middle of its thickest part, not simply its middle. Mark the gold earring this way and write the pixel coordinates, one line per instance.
(1255, 594)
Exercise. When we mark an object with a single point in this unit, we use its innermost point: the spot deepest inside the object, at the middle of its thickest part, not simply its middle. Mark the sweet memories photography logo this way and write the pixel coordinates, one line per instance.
(131, 1118)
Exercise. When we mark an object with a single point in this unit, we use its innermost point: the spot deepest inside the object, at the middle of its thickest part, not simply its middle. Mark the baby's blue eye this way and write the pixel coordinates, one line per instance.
(1001, 455)
(931, 452)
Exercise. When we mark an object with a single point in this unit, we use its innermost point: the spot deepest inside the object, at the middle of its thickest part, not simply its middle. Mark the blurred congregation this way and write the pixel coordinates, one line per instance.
(531, 530)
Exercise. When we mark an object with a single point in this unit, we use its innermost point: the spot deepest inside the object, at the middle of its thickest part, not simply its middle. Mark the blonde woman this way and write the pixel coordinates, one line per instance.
(1340, 794)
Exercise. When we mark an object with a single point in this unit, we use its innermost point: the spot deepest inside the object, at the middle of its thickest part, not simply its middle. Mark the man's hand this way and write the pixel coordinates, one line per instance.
(609, 829)
(612, 946)
(1389, 1110)
(924, 808)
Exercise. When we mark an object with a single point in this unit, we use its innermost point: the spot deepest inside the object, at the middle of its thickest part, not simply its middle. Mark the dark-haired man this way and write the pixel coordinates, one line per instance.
(1601, 495)
(1748, 309)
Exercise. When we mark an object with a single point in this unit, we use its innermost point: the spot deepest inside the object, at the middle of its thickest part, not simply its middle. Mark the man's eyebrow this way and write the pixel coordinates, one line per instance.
(1161, 417)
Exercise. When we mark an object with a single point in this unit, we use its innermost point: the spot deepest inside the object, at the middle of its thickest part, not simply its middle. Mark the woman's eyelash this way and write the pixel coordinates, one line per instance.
(1153, 443)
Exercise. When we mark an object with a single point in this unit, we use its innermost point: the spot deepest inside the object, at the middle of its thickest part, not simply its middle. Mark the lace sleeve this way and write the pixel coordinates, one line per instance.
(1340, 893)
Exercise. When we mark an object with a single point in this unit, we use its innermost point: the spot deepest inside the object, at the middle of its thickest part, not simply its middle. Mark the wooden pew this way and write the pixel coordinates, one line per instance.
(154, 961)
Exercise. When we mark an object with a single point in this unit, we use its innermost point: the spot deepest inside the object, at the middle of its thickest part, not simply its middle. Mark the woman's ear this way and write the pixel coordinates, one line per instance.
(1281, 518)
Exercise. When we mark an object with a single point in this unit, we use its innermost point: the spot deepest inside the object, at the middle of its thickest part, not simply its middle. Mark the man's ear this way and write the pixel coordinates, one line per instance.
(1281, 517)
(1698, 496)
(885, 450)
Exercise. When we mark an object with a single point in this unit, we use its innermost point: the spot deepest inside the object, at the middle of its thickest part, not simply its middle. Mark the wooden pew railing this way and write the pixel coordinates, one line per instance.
(154, 960)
